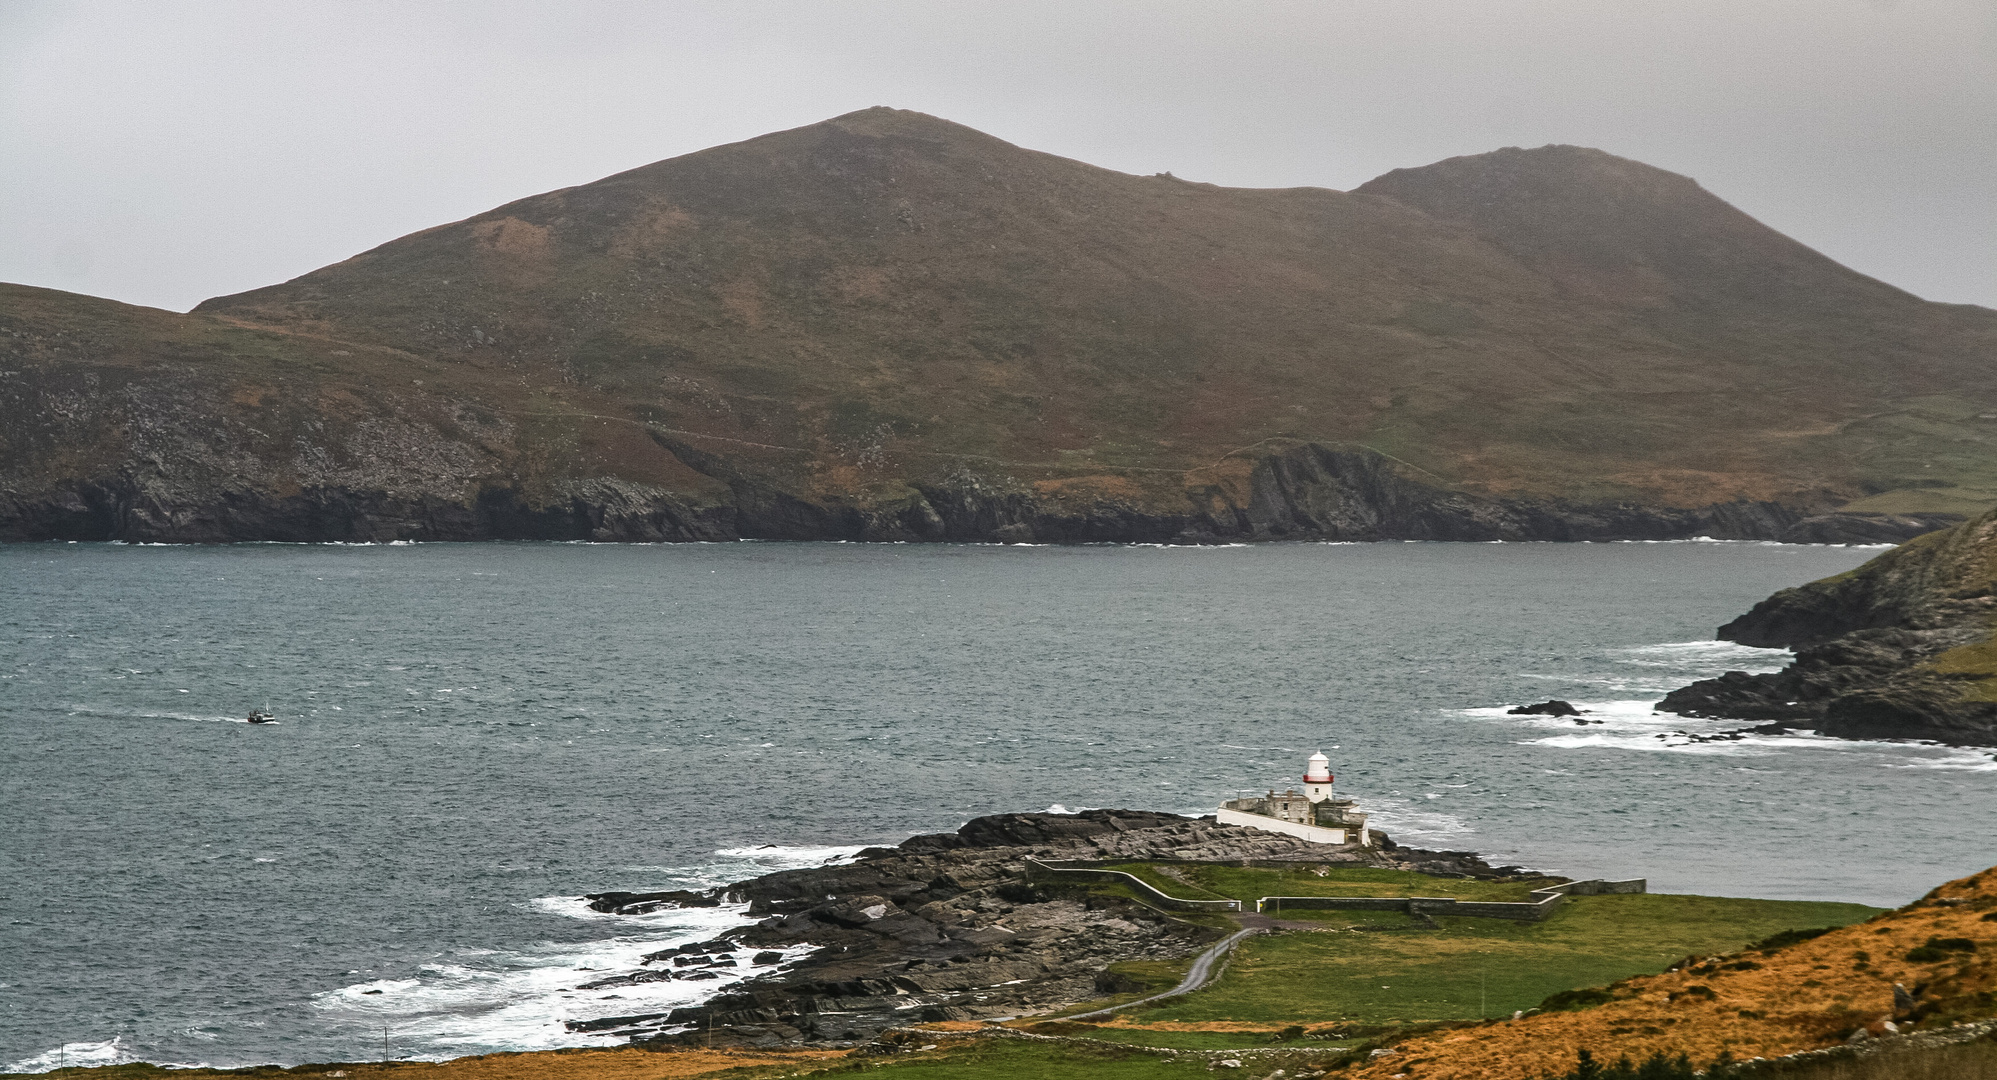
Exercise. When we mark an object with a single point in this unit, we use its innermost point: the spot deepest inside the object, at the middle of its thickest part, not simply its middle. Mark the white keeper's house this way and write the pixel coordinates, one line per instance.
(1312, 814)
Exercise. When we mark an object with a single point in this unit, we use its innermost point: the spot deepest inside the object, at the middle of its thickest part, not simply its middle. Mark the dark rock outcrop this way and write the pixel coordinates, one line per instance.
(958, 926)
(629, 903)
(1556, 707)
(1898, 648)
(1849, 528)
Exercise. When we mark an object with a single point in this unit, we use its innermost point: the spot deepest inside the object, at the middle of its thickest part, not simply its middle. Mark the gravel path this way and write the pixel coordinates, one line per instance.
(1202, 970)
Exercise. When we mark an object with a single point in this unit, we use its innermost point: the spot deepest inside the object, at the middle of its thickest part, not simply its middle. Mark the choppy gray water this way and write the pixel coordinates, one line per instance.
(473, 735)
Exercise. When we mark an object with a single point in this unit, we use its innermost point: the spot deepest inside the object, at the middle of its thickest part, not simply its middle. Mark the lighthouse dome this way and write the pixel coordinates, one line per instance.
(1319, 770)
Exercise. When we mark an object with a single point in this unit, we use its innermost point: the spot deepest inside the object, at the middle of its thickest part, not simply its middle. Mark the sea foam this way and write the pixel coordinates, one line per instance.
(518, 1000)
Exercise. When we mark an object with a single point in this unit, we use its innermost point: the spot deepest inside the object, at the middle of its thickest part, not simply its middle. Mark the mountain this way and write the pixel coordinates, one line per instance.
(1900, 648)
(889, 326)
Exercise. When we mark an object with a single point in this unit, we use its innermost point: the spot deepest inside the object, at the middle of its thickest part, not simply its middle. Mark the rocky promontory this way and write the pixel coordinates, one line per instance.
(954, 926)
(1899, 648)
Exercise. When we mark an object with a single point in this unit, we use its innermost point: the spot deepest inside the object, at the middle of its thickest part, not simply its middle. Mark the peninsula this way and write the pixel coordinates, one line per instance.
(972, 924)
(952, 955)
(1900, 648)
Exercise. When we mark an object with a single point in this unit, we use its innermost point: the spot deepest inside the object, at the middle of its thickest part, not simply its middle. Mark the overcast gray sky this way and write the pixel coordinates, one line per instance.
(161, 152)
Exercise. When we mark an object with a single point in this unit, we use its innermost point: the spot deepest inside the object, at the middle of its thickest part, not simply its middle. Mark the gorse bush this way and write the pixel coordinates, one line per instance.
(1787, 938)
(1938, 948)
(1570, 1000)
(1657, 1067)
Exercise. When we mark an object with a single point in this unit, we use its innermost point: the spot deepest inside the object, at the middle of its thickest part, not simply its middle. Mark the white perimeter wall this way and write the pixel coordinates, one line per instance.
(1314, 833)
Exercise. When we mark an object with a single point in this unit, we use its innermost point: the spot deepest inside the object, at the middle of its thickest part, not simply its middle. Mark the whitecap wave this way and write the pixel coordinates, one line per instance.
(1704, 656)
(1671, 743)
(86, 1054)
(779, 857)
(1953, 759)
(1656, 670)
(507, 1001)
(1420, 825)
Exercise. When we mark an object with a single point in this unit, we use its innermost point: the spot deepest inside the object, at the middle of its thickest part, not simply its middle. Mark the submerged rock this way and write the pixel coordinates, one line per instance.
(1556, 707)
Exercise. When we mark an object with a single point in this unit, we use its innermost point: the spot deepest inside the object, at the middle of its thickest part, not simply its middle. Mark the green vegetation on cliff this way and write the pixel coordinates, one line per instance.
(1901, 647)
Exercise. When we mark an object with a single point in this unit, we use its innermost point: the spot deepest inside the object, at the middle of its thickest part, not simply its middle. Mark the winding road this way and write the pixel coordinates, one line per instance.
(1202, 970)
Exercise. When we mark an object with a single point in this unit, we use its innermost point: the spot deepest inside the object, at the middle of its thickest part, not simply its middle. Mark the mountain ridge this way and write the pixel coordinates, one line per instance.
(890, 326)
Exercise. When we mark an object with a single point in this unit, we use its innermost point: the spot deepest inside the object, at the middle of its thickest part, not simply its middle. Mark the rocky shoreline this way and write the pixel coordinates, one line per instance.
(1899, 648)
(188, 495)
(953, 926)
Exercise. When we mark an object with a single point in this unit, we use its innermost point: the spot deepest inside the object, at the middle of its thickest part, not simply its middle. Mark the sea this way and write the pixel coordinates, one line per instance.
(471, 737)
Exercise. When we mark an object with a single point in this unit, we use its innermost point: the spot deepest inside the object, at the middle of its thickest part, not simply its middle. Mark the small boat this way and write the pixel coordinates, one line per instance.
(262, 716)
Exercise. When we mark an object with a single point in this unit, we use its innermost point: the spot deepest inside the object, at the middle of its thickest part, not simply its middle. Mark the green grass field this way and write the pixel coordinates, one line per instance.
(1243, 883)
(1209, 882)
(1480, 967)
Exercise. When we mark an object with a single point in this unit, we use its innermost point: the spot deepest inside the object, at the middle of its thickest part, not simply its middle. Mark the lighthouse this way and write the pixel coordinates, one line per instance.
(1312, 814)
(1317, 778)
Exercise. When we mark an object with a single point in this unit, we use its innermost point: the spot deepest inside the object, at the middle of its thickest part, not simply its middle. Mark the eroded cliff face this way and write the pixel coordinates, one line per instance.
(1309, 492)
(1901, 647)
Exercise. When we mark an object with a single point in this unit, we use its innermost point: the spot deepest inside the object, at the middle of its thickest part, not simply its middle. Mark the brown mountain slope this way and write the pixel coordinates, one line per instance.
(887, 325)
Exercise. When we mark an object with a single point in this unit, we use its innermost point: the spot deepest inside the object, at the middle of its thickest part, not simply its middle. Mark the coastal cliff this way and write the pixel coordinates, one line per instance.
(1901, 647)
(955, 926)
(886, 326)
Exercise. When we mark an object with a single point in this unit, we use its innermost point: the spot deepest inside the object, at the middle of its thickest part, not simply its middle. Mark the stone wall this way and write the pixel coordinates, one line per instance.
(1541, 905)
(1316, 834)
(1144, 889)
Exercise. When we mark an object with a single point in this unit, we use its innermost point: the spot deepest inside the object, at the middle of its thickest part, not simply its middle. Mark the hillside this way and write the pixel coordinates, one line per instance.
(1762, 1002)
(888, 326)
(1901, 647)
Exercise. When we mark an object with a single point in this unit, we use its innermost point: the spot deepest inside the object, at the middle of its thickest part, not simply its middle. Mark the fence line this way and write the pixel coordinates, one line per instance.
(1144, 888)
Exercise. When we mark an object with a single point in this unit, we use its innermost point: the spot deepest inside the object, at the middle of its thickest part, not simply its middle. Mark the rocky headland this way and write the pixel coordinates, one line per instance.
(1900, 648)
(886, 326)
(954, 926)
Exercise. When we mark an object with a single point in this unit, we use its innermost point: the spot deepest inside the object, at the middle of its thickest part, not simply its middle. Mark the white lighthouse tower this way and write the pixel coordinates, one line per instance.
(1312, 814)
(1317, 778)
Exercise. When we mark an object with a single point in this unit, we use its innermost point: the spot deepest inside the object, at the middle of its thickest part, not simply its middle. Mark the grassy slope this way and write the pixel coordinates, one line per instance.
(1410, 975)
(893, 297)
(1970, 552)
(887, 298)
(1805, 996)
(1415, 976)
(1247, 884)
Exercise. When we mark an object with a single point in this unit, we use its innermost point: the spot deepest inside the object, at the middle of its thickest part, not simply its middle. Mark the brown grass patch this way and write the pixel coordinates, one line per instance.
(1088, 487)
